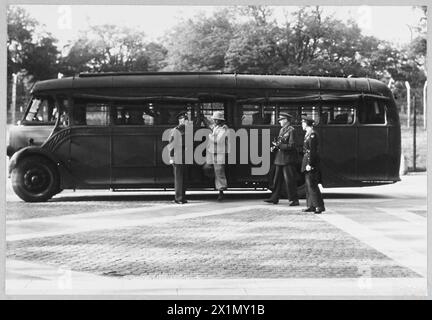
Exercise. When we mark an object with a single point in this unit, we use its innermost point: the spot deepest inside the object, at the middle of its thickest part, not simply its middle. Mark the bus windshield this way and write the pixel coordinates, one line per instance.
(42, 110)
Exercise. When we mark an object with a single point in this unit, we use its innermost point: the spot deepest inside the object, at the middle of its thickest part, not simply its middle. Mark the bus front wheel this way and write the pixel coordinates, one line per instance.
(35, 179)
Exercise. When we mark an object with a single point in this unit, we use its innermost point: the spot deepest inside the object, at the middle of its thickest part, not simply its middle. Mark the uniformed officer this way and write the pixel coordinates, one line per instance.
(178, 145)
(310, 168)
(286, 160)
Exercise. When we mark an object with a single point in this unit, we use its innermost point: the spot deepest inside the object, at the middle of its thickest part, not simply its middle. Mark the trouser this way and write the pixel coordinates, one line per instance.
(285, 177)
(313, 194)
(220, 178)
(180, 176)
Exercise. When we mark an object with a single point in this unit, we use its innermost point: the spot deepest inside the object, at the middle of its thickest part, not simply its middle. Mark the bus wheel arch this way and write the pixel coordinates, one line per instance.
(35, 178)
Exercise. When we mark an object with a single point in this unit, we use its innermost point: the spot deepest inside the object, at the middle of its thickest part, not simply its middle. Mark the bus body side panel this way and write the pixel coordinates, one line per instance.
(90, 156)
(241, 174)
(134, 154)
(373, 153)
(394, 140)
(394, 154)
(338, 152)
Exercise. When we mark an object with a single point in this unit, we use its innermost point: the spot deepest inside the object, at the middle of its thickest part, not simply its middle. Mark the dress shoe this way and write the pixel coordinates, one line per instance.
(293, 203)
(178, 202)
(310, 209)
(271, 201)
(319, 210)
(184, 201)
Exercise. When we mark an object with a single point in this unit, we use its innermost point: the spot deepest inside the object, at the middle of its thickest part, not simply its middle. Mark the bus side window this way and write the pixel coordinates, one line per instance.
(391, 113)
(91, 113)
(311, 111)
(372, 112)
(64, 111)
(257, 114)
(206, 110)
(299, 109)
(135, 114)
(337, 114)
(291, 108)
(167, 112)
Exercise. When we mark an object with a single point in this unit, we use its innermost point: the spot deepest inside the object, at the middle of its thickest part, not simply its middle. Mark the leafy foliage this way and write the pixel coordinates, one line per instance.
(111, 48)
(236, 39)
(29, 53)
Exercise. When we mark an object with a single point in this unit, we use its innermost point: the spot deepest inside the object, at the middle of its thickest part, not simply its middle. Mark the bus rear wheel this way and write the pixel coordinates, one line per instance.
(35, 179)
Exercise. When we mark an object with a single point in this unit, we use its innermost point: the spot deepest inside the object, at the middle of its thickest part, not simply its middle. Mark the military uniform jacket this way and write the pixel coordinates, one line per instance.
(176, 133)
(310, 151)
(287, 152)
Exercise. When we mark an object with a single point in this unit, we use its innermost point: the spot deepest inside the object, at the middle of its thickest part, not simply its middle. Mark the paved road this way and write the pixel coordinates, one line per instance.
(369, 241)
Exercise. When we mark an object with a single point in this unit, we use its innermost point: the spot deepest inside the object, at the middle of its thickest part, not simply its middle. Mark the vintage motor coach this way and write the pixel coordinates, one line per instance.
(104, 131)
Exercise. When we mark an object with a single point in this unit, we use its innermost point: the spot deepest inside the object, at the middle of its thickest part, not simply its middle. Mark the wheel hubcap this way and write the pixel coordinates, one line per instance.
(36, 179)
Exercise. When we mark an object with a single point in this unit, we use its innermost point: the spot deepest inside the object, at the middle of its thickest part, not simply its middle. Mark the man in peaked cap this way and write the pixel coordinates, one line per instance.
(178, 144)
(310, 168)
(286, 160)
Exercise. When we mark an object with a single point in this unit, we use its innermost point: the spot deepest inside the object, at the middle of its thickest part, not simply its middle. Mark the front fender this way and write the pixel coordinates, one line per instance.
(30, 150)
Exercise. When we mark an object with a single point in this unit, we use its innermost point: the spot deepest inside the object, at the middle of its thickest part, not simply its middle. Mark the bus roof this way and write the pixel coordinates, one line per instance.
(210, 80)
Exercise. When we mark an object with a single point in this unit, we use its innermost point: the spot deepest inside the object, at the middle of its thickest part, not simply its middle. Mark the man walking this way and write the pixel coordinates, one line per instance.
(177, 158)
(217, 150)
(310, 168)
(285, 162)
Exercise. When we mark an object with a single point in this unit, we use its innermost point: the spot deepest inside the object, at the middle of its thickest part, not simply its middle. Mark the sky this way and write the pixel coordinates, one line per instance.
(390, 23)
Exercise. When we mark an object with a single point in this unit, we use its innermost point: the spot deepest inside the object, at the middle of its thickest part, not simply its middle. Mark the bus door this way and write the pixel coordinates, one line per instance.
(373, 137)
(338, 142)
(89, 158)
(135, 137)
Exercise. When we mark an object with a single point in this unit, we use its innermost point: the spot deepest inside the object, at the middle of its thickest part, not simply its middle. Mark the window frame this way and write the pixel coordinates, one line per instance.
(40, 123)
(355, 120)
(262, 105)
(89, 101)
(362, 105)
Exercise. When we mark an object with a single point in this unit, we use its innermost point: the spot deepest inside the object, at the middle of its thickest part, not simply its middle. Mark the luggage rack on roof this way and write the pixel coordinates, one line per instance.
(108, 74)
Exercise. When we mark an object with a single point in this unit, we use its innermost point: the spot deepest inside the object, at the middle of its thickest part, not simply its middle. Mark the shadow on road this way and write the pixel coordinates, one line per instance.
(203, 197)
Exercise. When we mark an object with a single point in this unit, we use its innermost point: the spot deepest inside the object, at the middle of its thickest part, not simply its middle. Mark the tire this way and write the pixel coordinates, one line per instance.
(35, 179)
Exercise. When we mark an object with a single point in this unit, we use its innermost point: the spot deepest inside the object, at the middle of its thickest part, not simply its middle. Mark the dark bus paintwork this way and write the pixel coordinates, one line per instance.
(129, 156)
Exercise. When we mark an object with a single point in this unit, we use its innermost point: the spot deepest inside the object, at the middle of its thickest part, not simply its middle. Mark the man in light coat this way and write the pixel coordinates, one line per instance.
(217, 148)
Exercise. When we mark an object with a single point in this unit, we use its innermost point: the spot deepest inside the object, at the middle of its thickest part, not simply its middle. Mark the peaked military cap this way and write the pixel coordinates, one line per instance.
(309, 121)
(182, 114)
(284, 115)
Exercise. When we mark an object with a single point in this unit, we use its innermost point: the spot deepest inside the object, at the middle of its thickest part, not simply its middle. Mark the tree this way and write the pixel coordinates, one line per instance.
(253, 48)
(32, 54)
(201, 44)
(107, 48)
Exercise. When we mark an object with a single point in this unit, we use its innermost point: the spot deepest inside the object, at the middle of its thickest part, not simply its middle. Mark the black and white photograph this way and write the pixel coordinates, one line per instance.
(247, 151)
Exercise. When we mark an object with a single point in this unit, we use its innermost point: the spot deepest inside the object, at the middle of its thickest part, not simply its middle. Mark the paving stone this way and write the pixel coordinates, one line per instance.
(264, 243)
